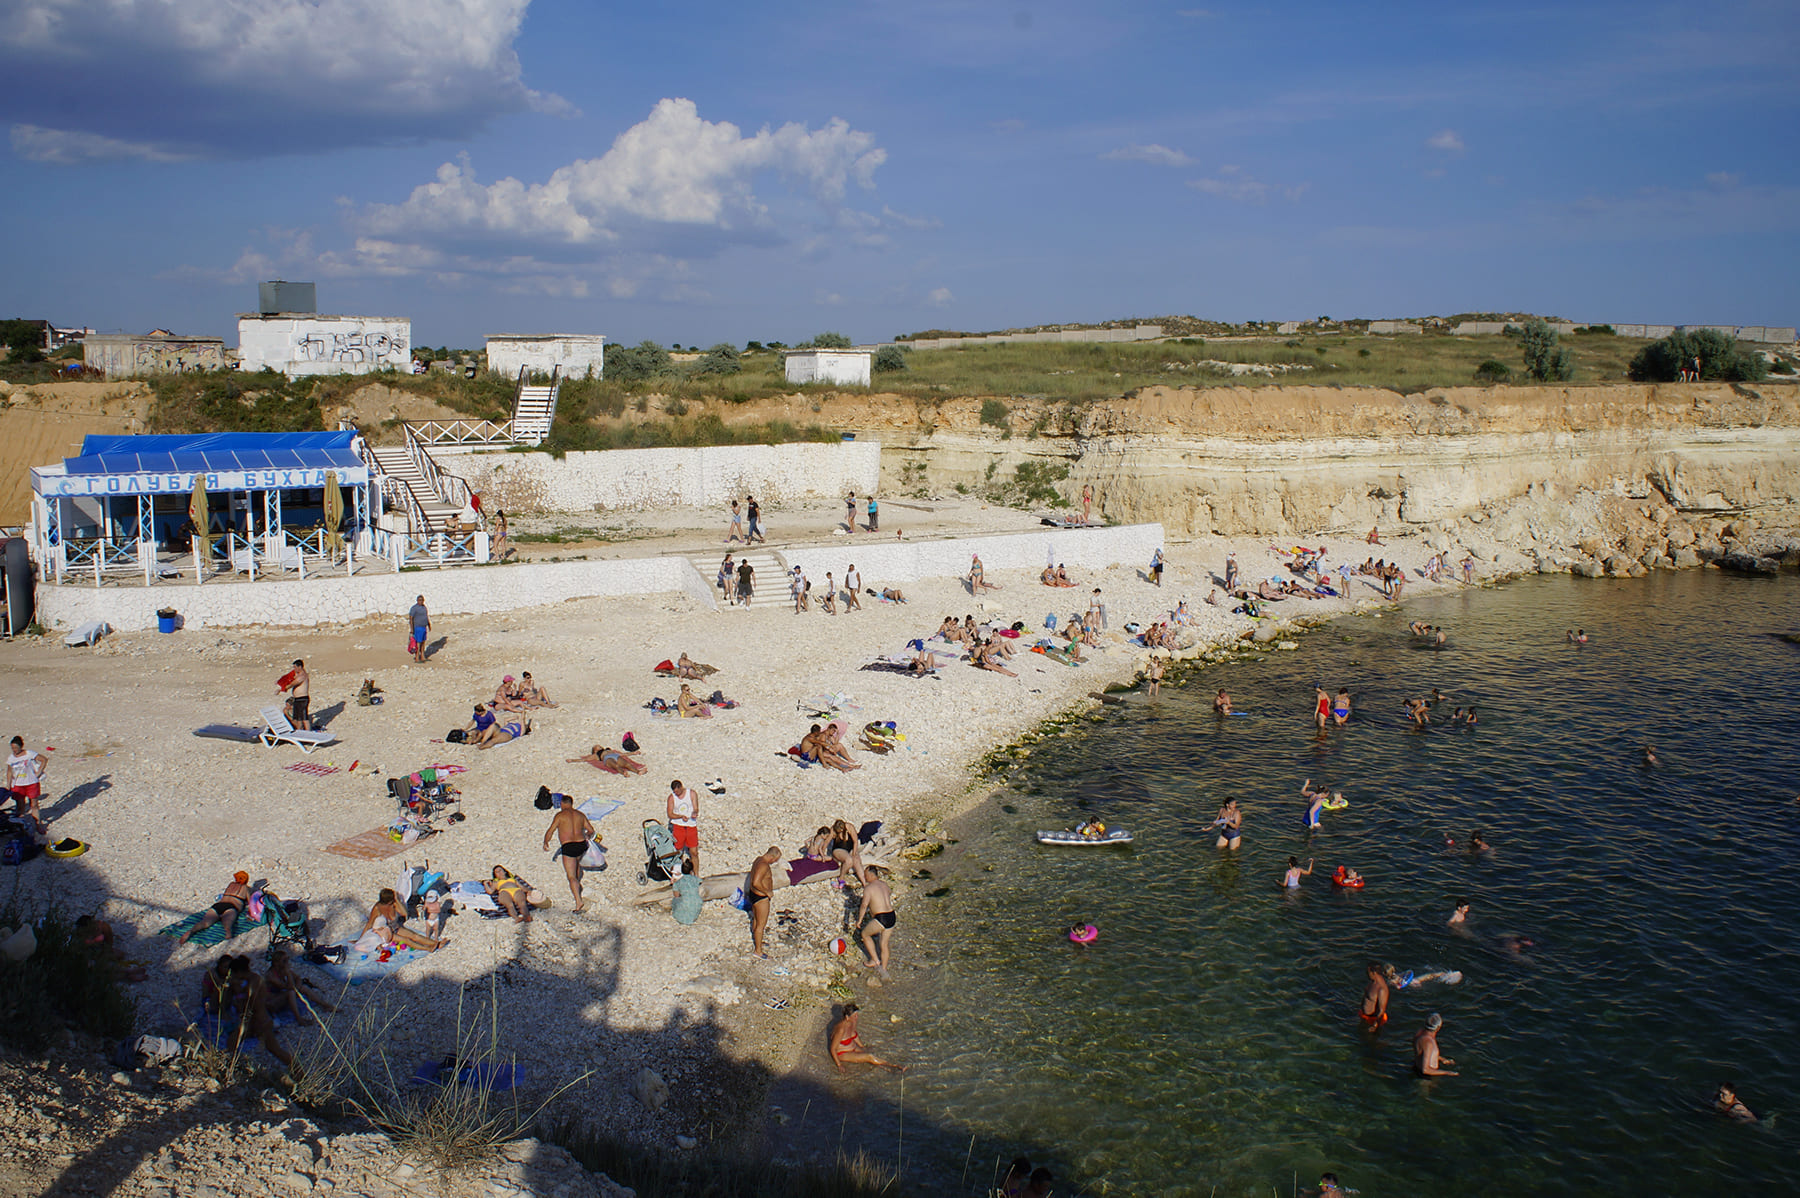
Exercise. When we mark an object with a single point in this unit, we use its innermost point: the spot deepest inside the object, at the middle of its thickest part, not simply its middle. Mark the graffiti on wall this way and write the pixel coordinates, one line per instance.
(150, 357)
(357, 346)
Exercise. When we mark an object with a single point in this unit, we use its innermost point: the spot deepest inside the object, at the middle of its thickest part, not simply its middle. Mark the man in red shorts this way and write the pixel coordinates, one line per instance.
(684, 824)
(24, 772)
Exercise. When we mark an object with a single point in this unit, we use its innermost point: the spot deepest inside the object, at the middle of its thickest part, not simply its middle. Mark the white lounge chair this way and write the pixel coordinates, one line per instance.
(278, 729)
(87, 634)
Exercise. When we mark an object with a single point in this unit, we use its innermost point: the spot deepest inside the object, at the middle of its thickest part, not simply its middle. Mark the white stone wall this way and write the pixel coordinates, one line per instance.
(324, 600)
(887, 562)
(644, 479)
(307, 344)
(846, 367)
(580, 355)
(120, 357)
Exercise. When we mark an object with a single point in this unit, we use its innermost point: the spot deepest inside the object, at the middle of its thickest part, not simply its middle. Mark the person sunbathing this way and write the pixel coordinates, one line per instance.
(507, 696)
(1048, 577)
(610, 760)
(533, 694)
(250, 995)
(283, 990)
(949, 630)
(497, 733)
(687, 667)
(892, 595)
(985, 658)
(215, 985)
(692, 706)
(1271, 593)
(1062, 576)
(386, 925)
(232, 903)
(511, 892)
(1073, 648)
(845, 851)
(819, 745)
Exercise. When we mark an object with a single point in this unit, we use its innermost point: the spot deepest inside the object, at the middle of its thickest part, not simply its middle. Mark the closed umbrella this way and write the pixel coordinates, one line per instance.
(334, 514)
(201, 517)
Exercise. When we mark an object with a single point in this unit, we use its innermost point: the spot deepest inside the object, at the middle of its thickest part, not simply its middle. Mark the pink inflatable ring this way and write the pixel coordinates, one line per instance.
(1084, 933)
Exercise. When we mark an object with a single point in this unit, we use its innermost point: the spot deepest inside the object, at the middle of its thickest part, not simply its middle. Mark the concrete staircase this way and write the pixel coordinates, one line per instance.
(534, 410)
(771, 576)
(395, 462)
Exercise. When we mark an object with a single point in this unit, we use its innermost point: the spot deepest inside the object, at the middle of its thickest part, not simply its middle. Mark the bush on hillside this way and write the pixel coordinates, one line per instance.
(1545, 362)
(1721, 358)
(1493, 371)
(994, 412)
(888, 359)
(645, 360)
(720, 359)
(829, 341)
(23, 341)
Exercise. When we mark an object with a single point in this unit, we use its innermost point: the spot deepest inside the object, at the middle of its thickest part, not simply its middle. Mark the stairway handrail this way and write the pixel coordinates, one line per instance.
(397, 491)
(447, 487)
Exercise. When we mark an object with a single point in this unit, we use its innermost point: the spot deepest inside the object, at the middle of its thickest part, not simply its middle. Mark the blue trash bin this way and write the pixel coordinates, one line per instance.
(166, 620)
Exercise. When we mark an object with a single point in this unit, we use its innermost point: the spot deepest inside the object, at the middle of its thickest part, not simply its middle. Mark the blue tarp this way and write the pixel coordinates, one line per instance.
(210, 453)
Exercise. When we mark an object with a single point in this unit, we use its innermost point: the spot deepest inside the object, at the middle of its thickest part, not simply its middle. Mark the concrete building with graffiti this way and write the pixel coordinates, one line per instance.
(297, 343)
(128, 355)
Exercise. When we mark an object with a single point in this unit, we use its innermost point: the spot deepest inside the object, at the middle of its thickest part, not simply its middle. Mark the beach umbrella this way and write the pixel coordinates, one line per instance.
(200, 516)
(334, 513)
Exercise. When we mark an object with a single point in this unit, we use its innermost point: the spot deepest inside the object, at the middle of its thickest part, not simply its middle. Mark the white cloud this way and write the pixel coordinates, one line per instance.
(1446, 140)
(1153, 154)
(37, 144)
(1232, 183)
(1724, 179)
(161, 79)
(940, 297)
(671, 169)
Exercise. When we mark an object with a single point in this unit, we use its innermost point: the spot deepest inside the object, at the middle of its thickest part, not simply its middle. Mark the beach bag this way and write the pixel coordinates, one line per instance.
(543, 802)
(412, 644)
(686, 904)
(629, 744)
(1050, 622)
(456, 736)
(147, 1052)
(595, 857)
(19, 850)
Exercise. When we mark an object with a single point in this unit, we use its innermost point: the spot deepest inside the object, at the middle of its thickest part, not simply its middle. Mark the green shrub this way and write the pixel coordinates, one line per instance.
(64, 984)
(994, 412)
(889, 359)
(1545, 362)
(828, 341)
(720, 359)
(23, 341)
(1493, 371)
(1721, 359)
(1781, 366)
(1362, 353)
(644, 360)
(1596, 330)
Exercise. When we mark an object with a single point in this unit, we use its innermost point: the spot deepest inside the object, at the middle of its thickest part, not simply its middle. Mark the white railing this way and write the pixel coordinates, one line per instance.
(462, 432)
(396, 491)
(448, 488)
(437, 548)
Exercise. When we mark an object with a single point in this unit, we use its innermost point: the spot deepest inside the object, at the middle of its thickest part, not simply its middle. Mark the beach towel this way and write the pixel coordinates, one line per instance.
(312, 769)
(216, 933)
(598, 809)
(802, 868)
(229, 732)
(357, 968)
(895, 667)
(373, 845)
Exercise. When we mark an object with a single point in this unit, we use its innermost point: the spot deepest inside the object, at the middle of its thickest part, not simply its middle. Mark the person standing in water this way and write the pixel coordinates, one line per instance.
(1154, 671)
(1426, 1060)
(1321, 706)
(1222, 703)
(1291, 879)
(1460, 916)
(1340, 706)
(1230, 825)
(1375, 999)
(1315, 803)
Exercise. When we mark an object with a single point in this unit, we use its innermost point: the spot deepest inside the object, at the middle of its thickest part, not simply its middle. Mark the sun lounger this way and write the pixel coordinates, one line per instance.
(87, 634)
(278, 729)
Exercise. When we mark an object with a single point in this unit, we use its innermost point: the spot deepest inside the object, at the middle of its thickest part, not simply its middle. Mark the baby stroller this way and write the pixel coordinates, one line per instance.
(288, 924)
(663, 858)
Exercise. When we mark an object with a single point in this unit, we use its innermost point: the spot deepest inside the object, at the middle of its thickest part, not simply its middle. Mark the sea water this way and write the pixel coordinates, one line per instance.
(1634, 937)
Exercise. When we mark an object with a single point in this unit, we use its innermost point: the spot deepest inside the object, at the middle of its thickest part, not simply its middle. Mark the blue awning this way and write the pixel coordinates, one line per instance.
(214, 453)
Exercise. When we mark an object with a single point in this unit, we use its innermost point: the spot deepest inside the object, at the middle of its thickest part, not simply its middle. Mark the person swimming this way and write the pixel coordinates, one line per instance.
(1291, 879)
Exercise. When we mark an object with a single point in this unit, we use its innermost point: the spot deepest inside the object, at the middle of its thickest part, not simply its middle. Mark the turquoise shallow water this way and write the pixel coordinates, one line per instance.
(1209, 1038)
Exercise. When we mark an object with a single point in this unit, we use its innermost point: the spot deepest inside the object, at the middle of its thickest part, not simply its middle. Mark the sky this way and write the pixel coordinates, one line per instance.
(698, 172)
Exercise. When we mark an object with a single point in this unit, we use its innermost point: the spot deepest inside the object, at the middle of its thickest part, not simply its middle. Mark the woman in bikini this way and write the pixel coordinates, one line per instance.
(231, 904)
(386, 923)
(510, 892)
(844, 851)
(1340, 706)
(610, 760)
(692, 706)
(533, 694)
(847, 1047)
(497, 733)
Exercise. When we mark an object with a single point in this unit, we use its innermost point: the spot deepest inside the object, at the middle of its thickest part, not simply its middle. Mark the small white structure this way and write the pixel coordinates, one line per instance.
(298, 343)
(846, 367)
(579, 355)
(123, 356)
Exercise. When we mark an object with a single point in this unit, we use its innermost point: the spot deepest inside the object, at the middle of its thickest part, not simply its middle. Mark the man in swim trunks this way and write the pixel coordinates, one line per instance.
(420, 621)
(572, 830)
(1460, 916)
(683, 810)
(1375, 999)
(878, 913)
(1340, 706)
(299, 691)
(846, 1046)
(757, 890)
(1426, 1061)
(1154, 671)
(231, 904)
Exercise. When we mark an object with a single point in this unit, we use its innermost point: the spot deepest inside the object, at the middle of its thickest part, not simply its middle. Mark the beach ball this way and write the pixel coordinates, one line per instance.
(840, 946)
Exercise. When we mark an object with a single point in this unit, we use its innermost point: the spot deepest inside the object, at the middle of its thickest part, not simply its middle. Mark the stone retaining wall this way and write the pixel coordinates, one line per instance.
(646, 479)
(884, 562)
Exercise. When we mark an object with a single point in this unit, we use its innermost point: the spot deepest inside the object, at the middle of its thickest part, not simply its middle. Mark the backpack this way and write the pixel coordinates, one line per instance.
(456, 736)
(629, 744)
(543, 802)
(19, 850)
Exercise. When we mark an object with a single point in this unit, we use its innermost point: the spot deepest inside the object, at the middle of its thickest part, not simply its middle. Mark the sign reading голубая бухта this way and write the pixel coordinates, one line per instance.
(173, 483)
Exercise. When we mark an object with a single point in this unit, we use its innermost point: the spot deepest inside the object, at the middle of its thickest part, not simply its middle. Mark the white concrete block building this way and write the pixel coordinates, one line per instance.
(579, 355)
(846, 367)
(297, 343)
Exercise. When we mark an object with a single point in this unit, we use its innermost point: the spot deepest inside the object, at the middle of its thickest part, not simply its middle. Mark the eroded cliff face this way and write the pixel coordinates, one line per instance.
(1281, 460)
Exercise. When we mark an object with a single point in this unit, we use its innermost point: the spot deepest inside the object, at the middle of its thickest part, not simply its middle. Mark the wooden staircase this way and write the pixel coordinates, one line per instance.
(771, 568)
(397, 463)
(534, 409)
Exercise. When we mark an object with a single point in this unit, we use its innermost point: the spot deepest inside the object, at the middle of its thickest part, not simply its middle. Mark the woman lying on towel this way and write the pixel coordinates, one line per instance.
(513, 893)
(385, 925)
(610, 760)
(687, 667)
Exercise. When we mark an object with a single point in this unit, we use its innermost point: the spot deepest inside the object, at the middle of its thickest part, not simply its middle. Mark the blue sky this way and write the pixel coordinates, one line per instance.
(698, 172)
